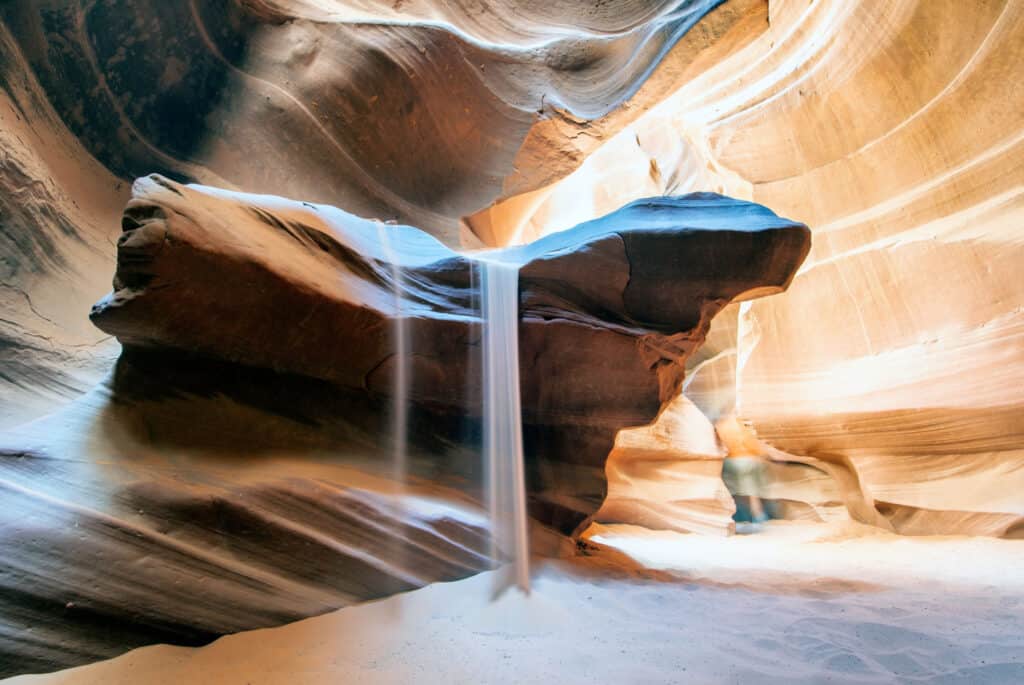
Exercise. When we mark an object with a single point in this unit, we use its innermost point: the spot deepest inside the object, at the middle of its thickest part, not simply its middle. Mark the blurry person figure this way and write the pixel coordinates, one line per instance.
(745, 464)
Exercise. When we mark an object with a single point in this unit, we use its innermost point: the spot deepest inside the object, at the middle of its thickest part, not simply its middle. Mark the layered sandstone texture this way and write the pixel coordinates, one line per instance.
(888, 377)
(668, 475)
(235, 472)
(886, 381)
(238, 455)
(417, 111)
(59, 212)
(180, 517)
(420, 111)
(200, 471)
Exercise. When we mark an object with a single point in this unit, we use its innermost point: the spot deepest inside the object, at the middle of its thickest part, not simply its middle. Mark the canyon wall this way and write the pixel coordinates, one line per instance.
(416, 111)
(886, 381)
(143, 486)
(896, 131)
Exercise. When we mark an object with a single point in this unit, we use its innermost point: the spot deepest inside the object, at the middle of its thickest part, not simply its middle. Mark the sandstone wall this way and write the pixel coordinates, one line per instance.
(894, 129)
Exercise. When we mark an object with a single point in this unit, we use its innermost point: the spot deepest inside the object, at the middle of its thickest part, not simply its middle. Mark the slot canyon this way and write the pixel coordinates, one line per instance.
(503, 341)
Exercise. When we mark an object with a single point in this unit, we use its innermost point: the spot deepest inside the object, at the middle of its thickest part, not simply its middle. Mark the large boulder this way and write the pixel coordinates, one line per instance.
(609, 309)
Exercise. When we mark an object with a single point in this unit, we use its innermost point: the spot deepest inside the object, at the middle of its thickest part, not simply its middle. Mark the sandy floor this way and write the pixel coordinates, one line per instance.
(840, 554)
(813, 604)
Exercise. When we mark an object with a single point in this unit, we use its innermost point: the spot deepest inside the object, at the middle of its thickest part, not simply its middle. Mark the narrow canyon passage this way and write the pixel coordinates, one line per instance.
(515, 340)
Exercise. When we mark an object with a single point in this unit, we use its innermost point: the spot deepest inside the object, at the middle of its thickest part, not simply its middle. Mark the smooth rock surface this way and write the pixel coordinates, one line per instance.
(893, 364)
(239, 456)
(668, 475)
(59, 210)
(421, 111)
(425, 113)
(610, 309)
(178, 517)
(887, 377)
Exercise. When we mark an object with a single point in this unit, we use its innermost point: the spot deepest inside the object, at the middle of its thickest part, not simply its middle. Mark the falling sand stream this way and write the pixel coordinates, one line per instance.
(400, 386)
(503, 434)
(504, 476)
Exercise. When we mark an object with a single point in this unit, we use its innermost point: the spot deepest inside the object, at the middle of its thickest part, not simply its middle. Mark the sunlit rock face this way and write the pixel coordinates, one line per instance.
(668, 475)
(59, 212)
(130, 541)
(887, 379)
(912, 380)
(892, 365)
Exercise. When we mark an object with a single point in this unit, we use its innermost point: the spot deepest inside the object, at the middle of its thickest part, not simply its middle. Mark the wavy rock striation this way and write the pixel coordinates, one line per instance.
(119, 533)
(232, 474)
(668, 475)
(418, 111)
(887, 377)
(421, 111)
(199, 470)
(892, 365)
(58, 221)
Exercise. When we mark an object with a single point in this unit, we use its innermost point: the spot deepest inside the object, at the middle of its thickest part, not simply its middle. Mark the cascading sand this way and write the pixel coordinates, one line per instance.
(399, 389)
(503, 434)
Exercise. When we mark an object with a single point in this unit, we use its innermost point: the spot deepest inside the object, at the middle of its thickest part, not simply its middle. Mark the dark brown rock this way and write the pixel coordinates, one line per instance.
(609, 309)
